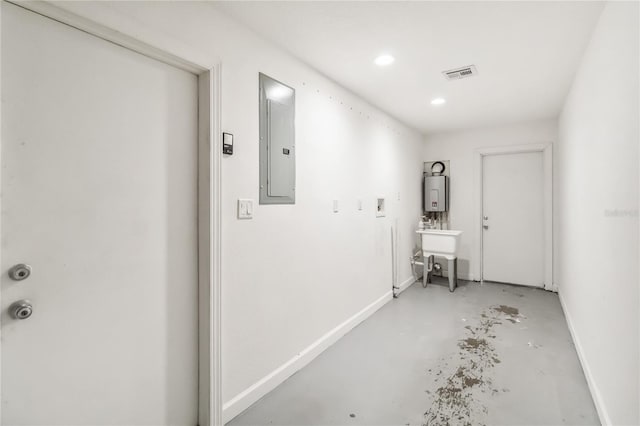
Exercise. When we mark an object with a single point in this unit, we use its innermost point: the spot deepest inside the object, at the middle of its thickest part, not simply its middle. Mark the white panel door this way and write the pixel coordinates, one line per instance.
(513, 218)
(99, 197)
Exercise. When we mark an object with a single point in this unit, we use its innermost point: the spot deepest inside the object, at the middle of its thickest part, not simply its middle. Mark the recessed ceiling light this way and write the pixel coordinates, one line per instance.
(438, 101)
(384, 60)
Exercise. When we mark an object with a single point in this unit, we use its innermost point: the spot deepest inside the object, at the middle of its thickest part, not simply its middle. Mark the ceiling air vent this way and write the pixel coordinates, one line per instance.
(458, 73)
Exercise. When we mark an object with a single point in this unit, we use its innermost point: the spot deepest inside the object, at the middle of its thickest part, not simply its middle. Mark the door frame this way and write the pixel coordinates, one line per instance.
(209, 193)
(547, 158)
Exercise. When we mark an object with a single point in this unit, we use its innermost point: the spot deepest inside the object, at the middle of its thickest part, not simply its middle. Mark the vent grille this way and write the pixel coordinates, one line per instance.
(459, 73)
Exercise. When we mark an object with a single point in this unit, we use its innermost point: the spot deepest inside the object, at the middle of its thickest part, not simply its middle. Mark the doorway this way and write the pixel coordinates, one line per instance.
(514, 211)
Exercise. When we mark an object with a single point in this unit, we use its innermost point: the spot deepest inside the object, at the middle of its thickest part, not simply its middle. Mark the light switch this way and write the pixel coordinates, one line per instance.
(245, 209)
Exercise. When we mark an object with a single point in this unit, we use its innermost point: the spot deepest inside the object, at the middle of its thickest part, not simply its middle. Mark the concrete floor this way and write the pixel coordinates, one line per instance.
(489, 354)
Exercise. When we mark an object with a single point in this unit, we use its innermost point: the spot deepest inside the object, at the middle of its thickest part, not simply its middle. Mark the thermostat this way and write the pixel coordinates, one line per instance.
(227, 143)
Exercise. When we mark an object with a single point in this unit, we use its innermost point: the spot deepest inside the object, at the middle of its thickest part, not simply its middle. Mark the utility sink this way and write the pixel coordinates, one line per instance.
(440, 242)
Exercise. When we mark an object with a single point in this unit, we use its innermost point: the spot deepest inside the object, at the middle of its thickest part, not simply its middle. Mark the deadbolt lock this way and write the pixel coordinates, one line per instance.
(22, 309)
(20, 272)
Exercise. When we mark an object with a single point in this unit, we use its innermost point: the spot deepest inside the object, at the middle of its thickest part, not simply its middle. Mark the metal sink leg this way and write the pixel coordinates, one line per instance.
(453, 273)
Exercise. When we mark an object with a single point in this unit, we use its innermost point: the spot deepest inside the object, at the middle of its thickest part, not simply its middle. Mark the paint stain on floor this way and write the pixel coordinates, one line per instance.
(458, 398)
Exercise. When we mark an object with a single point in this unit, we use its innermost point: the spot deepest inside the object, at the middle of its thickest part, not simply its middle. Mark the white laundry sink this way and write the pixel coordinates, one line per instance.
(440, 242)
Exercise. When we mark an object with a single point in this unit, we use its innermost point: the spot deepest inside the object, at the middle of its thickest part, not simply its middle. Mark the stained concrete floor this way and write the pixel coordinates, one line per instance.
(490, 354)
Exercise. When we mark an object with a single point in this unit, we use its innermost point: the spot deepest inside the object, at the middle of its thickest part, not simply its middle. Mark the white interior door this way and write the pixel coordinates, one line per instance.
(99, 196)
(513, 218)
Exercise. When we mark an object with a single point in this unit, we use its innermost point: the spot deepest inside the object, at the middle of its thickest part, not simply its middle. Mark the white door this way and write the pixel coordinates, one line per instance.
(513, 218)
(99, 197)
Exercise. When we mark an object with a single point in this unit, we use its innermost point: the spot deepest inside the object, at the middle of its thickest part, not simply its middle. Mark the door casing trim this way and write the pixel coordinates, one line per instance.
(546, 149)
(209, 193)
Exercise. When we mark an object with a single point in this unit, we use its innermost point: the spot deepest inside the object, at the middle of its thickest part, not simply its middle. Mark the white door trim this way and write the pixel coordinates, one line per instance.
(547, 154)
(209, 196)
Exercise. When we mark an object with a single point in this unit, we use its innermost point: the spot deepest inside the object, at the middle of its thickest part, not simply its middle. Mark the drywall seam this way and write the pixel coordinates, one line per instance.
(253, 393)
(593, 388)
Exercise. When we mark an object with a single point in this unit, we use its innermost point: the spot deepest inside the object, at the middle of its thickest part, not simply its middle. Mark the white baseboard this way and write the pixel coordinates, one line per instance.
(464, 277)
(595, 392)
(253, 393)
(406, 284)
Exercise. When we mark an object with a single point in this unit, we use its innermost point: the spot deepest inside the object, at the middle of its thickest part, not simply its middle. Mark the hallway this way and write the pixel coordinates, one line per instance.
(485, 354)
(227, 193)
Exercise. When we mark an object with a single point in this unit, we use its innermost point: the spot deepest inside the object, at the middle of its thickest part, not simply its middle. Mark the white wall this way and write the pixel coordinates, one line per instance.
(459, 148)
(597, 213)
(294, 272)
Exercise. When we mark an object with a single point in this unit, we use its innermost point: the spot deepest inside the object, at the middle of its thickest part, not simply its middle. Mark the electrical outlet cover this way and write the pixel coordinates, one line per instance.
(245, 208)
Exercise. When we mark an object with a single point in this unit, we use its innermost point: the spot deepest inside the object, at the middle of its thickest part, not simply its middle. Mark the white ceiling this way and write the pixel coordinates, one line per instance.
(526, 53)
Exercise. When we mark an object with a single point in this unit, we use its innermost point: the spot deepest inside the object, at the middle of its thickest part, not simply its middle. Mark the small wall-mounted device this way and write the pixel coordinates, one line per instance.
(380, 208)
(227, 143)
(436, 193)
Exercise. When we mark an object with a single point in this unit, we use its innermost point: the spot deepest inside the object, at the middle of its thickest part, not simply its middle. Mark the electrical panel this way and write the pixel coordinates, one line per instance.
(436, 193)
(277, 142)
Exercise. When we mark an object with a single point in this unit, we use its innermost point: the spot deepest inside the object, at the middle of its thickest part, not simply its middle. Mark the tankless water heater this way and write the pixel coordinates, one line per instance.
(436, 193)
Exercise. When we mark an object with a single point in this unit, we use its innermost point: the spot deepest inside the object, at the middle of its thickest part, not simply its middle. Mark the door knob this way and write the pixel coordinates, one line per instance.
(20, 272)
(22, 309)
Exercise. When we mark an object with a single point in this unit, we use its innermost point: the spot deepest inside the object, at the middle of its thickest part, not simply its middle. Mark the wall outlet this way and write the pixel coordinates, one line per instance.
(335, 206)
(359, 203)
(245, 209)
